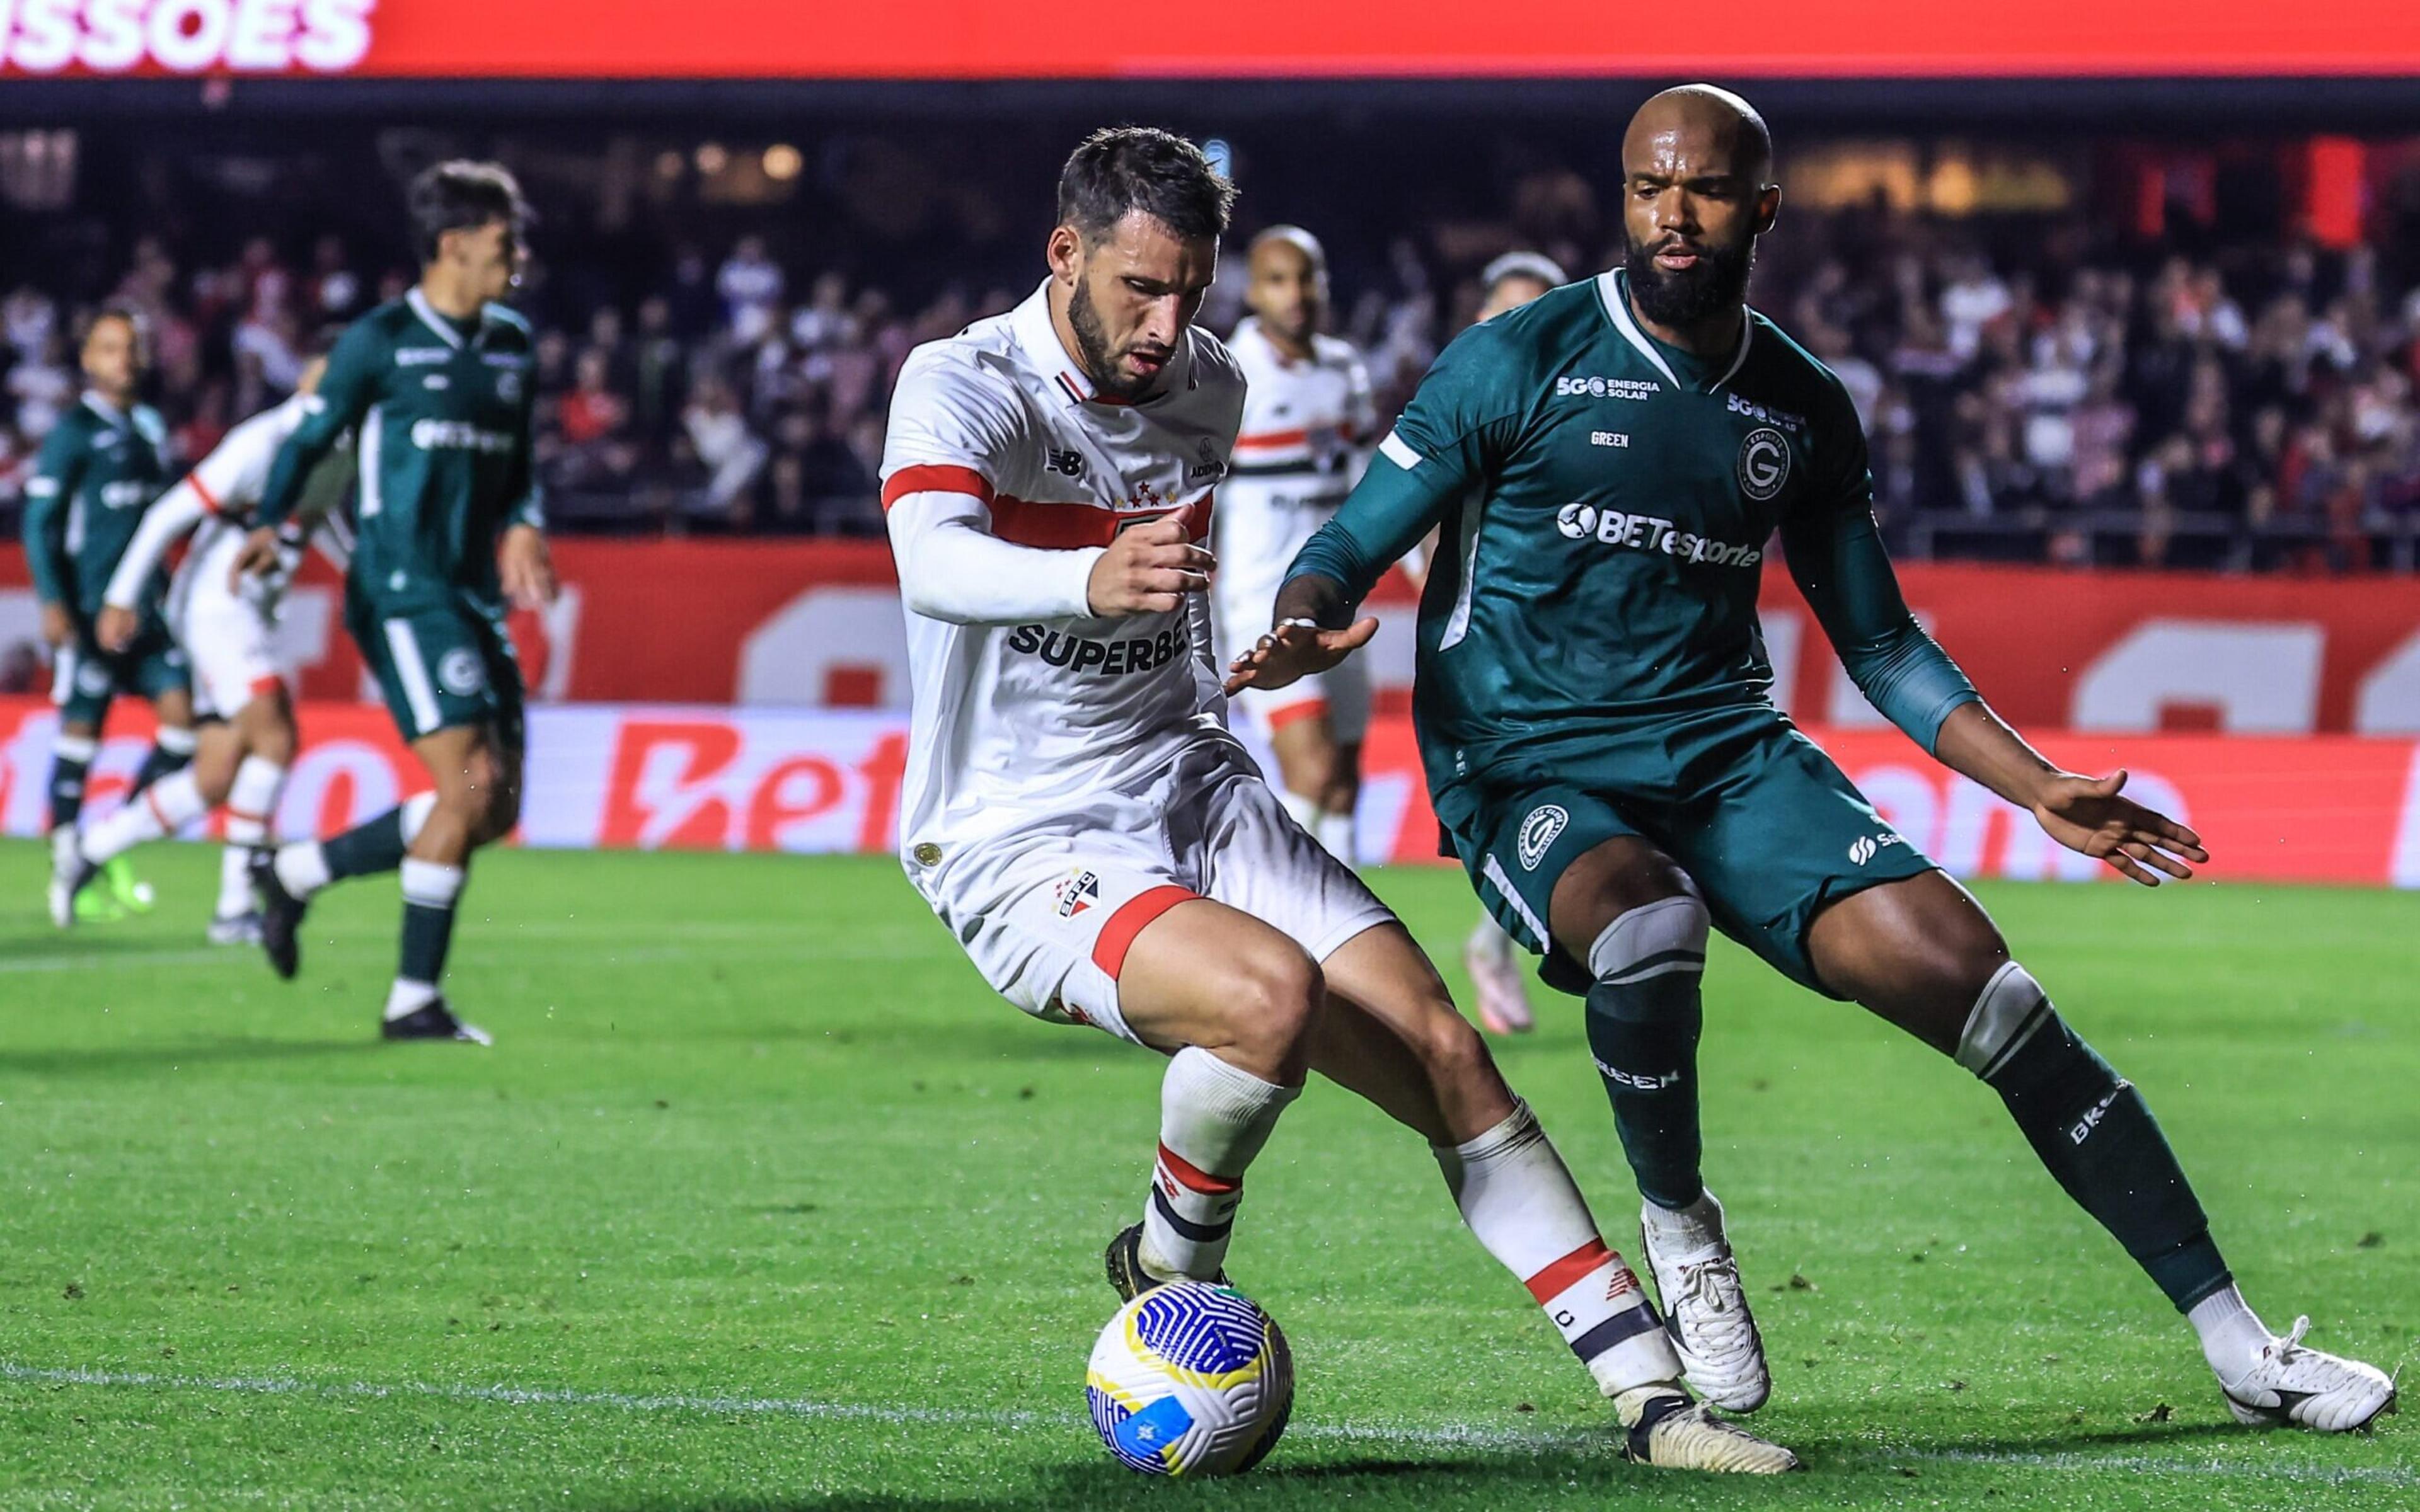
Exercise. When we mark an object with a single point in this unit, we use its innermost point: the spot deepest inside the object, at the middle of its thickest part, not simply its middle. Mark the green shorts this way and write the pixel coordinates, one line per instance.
(1769, 830)
(440, 666)
(85, 678)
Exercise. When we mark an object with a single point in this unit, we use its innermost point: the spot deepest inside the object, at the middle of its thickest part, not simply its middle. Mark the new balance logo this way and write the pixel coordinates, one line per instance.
(2091, 1120)
(1068, 464)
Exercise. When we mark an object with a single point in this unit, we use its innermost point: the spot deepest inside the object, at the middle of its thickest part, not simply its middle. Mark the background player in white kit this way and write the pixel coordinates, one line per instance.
(1078, 815)
(227, 629)
(1489, 955)
(1308, 422)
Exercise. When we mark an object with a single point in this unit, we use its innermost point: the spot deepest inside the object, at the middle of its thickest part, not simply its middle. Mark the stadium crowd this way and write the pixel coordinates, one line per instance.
(2034, 389)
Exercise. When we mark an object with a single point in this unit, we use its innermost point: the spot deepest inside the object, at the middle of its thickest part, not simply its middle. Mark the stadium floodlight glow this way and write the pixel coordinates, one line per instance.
(712, 159)
(783, 162)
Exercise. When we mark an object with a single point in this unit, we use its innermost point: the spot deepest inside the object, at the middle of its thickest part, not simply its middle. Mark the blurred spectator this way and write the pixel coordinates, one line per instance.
(729, 451)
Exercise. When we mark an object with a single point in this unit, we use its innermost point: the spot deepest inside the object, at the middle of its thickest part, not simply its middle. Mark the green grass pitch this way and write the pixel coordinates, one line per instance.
(761, 1200)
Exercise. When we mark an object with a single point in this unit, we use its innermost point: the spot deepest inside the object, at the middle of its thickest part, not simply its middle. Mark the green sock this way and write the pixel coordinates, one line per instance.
(1644, 1014)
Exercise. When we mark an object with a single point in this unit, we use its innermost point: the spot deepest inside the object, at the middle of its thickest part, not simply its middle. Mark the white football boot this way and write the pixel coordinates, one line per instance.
(2290, 1384)
(1494, 970)
(1705, 1306)
(1671, 1432)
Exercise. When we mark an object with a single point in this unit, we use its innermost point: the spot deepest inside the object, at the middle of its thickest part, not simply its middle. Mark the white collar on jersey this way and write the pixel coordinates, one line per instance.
(1031, 322)
(448, 332)
(1613, 289)
(118, 418)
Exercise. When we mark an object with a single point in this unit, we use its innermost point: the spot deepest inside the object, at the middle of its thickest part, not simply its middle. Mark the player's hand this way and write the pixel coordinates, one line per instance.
(1148, 570)
(116, 627)
(58, 625)
(2084, 814)
(258, 557)
(526, 567)
(1295, 651)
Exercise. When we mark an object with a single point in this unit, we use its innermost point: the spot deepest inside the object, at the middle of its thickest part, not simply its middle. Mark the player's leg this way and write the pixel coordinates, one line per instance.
(1626, 910)
(477, 779)
(1312, 770)
(1234, 1004)
(1390, 1033)
(1922, 954)
(1494, 962)
(172, 742)
(81, 686)
(265, 739)
(165, 805)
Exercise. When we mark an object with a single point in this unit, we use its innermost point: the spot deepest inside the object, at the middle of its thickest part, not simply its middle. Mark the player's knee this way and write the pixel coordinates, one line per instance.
(1273, 999)
(1452, 1051)
(1651, 942)
(2010, 1008)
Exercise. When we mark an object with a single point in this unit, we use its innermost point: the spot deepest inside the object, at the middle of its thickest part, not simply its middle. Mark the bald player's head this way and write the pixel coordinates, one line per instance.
(1696, 169)
(1286, 283)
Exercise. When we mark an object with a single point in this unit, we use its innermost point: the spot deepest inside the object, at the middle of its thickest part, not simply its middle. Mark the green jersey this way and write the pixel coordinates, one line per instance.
(1607, 503)
(99, 469)
(440, 410)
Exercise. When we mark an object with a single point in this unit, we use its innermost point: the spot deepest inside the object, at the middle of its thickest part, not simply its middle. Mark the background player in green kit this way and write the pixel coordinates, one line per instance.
(100, 468)
(1608, 464)
(437, 387)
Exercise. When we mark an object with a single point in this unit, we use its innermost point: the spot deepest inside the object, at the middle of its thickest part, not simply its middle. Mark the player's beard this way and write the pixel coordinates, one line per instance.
(1686, 296)
(1093, 348)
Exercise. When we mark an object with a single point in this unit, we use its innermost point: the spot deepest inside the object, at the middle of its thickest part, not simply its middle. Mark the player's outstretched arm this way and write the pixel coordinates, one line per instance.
(2088, 814)
(1841, 566)
(952, 568)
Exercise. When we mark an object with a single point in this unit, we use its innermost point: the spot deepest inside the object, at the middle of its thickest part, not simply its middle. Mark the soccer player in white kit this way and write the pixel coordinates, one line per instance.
(227, 629)
(1078, 815)
(1308, 422)
(1488, 954)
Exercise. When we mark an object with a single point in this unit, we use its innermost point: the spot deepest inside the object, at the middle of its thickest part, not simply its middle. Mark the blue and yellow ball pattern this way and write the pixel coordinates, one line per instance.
(1190, 1380)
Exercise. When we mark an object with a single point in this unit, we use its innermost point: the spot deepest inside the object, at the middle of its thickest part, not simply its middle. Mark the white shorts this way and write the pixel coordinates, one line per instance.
(1341, 694)
(227, 639)
(1047, 911)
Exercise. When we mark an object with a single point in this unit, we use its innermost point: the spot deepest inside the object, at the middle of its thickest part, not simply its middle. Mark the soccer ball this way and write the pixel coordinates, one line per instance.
(1190, 1378)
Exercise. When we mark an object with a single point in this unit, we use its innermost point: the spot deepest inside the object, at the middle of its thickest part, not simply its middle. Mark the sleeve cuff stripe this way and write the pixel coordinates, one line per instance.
(1394, 450)
(935, 478)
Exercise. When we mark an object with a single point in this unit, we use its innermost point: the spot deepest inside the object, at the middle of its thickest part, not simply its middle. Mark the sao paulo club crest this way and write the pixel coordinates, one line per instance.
(1540, 832)
(1764, 463)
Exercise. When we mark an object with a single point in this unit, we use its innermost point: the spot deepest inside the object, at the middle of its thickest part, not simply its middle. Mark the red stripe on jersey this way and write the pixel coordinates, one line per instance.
(263, 686)
(1272, 438)
(1064, 527)
(1118, 931)
(1194, 1178)
(1557, 1278)
(202, 492)
(935, 479)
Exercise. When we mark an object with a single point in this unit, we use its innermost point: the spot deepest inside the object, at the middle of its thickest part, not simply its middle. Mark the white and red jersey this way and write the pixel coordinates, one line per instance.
(1004, 477)
(1307, 427)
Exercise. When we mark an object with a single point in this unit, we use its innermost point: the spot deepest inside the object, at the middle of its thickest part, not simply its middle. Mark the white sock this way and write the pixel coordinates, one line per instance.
(1334, 832)
(176, 742)
(163, 809)
(407, 998)
(1518, 1198)
(1213, 1118)
(301, 867)
(415, 812)
(64, 841)
(1685, 1234)
(250, 803)
(2232, 1334)
(426, 885)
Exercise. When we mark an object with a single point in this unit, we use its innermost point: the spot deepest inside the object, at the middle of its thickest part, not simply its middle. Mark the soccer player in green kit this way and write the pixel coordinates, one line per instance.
(100, 468)
(437, 387)
(1608, 464)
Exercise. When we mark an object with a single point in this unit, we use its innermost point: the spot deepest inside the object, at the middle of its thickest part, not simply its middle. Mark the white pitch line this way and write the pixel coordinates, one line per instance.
(1449, 1436)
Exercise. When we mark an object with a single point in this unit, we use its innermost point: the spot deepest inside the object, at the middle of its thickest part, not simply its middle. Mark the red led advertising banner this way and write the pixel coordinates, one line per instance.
(1234, 39)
